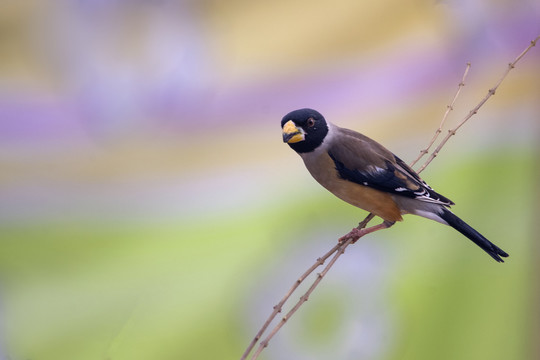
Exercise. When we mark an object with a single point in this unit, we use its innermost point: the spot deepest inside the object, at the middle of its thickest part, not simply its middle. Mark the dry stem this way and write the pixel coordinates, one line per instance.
(277, 308)
(490, 93)
(448, 109)
(340, 247)
(339, 251)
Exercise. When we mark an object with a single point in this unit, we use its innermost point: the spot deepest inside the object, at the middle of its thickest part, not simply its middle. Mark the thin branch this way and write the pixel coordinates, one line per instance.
(490, 93)
(448, 109)
(351, 238)
(339, 249)
(277, 308)
(364, 222)
(303, 298)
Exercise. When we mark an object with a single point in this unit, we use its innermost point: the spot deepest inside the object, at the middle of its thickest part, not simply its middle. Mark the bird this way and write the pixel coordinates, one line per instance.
(363, 173)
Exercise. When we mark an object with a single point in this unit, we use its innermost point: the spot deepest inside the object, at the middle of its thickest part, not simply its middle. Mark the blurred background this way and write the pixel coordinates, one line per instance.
(149, 209)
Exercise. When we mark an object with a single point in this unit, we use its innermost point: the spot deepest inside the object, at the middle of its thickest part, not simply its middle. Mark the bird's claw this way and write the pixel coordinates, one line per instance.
(353, 235)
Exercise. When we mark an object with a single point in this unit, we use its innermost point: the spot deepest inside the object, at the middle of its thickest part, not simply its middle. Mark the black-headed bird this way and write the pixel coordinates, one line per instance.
(362, 172)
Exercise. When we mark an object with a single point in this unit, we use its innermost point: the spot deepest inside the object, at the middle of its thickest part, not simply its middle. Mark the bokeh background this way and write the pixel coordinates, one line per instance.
(149, 210)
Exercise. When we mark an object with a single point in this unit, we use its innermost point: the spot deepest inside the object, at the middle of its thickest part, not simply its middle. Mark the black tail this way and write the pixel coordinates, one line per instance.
(460, 225)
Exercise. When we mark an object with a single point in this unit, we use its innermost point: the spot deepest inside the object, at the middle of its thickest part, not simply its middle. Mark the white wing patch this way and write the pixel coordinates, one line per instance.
(375, 169)
(425, 196)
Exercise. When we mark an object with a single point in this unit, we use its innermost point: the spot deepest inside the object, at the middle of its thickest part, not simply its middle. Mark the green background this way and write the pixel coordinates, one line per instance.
(149, 209)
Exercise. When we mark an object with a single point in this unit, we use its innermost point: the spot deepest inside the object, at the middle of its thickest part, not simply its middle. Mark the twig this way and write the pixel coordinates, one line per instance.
(490, 93)
(277, 308)
(339, 249)
(448, 109)
(303, 298)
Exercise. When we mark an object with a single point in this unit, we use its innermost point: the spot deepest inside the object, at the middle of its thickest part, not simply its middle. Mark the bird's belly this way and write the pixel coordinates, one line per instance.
(364, 197)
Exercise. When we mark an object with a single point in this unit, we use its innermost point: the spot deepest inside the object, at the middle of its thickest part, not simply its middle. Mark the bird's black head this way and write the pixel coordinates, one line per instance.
(304, 130)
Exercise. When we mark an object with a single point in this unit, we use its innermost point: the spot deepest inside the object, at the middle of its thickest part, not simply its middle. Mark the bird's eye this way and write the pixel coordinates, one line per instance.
(310, 122)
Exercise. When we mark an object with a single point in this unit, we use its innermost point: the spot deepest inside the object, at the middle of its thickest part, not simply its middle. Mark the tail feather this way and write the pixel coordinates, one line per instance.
(493, 250)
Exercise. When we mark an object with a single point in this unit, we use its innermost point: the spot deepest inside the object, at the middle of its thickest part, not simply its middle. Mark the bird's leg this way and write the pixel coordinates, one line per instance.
(358, 232)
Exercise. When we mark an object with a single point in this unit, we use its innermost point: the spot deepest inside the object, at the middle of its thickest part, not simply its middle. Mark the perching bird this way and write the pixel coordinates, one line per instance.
(364, 173)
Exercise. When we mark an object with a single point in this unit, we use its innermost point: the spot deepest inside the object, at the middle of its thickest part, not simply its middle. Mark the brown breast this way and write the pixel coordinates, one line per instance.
(322, 168)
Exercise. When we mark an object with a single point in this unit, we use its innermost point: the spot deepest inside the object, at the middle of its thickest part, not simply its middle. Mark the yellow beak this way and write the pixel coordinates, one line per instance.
(292, 134)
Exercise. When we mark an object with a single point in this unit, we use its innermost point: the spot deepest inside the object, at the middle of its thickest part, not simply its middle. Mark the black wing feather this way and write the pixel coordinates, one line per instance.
(408, 184)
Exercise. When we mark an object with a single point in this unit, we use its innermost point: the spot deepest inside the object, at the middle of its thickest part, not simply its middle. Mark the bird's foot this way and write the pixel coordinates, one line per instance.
(358, 232)
(353, 235)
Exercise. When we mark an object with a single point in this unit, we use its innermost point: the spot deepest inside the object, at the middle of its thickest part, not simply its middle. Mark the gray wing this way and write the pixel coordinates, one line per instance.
(364, 161)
